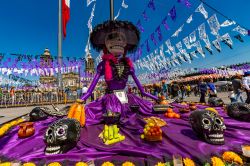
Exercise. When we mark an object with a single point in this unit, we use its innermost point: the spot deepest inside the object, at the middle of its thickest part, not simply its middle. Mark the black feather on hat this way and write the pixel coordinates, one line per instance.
(98, 35)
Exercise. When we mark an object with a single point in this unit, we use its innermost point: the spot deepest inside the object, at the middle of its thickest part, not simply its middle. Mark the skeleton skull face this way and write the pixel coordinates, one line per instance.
(116, 42)
(208, 125)
(239, 111)
(37, 114)
(62, 136)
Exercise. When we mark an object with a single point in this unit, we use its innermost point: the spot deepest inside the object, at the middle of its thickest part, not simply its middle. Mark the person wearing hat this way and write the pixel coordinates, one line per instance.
(116, 39)
(246, 85)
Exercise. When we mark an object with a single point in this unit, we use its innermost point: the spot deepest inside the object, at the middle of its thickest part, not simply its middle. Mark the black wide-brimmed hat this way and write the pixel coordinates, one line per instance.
(98, 35)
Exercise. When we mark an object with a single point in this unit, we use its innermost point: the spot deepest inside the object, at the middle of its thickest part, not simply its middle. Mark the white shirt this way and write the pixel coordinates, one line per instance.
(84, 89)
(246, 82)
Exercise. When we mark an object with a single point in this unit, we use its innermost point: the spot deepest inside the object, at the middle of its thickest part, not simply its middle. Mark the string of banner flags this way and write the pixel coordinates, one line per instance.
(159, 58)
(27, 64)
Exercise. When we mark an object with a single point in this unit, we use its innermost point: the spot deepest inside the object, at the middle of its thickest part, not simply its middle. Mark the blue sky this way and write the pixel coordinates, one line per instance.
(29, 26)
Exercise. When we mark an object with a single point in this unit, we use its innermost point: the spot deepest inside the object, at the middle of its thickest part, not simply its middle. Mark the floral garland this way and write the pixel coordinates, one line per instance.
(5, 128)
(228, 157)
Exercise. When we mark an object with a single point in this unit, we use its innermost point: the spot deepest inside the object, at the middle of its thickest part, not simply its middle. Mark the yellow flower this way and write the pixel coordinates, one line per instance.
(20, 120)
(29, 164)
(232, 157)
(160, 164)
(188, 162)
(13, 123)
(5, 127)
(54, 164)
(128, 163)
(108, 164)
(81, 164)
(217, 161)
(2, 132)
(5, 164)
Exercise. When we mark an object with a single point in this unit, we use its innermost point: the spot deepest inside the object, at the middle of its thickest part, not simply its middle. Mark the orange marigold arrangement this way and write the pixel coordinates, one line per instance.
(188, 162)
(81, 164)
(217, 161)
(229, 156)
(107, 163)
(128, 163)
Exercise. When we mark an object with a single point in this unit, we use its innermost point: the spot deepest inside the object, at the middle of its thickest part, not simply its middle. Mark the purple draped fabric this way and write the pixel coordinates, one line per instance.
(178, 138)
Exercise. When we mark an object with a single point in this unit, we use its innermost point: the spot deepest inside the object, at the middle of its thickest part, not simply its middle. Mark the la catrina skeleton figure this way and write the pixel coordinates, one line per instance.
(115, 38)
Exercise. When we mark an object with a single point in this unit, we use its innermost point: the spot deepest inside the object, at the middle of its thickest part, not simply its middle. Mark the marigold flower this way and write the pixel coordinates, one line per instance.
(229, 156)
(108, 164)
(188, 162)
(217, 161)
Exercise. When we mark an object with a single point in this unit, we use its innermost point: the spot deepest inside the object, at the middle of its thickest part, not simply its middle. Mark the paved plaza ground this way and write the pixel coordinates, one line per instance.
(15, 112)
(12, 113)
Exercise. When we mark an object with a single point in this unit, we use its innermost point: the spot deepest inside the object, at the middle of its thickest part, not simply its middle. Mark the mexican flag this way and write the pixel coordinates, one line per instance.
(65, 14)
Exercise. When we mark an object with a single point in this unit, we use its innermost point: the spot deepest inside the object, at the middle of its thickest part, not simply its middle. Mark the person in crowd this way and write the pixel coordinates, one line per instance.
(188, 88)
(1, 93)
(237, 87)
(79, 92)
(196, 89)
(155, 89)
(129, 89)
(246, 85)
(84, 89)
(151, 90)
(164, 89)
(182, 91)
(66, 93)
(134, 90)
(203, 91)
(231, 94)
(211, 89)
(175, 89)
(169, 90)
(12, 95)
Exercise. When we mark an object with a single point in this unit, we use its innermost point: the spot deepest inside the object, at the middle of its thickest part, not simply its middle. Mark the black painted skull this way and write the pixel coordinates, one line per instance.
(38, 114)
(208, 126)
(239, 111)
(215, 102)
(62, 136)
(116, 42)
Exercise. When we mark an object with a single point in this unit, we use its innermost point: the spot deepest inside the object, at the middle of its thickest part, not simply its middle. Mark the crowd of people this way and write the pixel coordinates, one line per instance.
(173, 90)
(202, 88)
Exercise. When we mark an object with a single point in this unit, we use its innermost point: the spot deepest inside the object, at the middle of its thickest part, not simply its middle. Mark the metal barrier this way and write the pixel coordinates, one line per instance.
(36, 98)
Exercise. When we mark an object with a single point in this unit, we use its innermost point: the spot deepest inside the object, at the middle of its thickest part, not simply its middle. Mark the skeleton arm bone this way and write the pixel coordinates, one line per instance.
(92, 87)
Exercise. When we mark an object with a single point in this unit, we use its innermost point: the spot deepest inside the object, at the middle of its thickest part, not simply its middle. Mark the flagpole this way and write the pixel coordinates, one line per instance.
(59, 51)
(112, 10)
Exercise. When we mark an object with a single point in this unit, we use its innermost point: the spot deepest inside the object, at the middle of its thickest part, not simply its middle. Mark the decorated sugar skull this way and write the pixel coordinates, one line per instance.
(215, 102)
(62, 136)
(208, 126)
(38, 114)
(239, 111)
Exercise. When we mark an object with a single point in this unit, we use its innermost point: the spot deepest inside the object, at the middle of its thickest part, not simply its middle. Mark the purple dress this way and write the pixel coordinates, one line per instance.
(109, 101)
